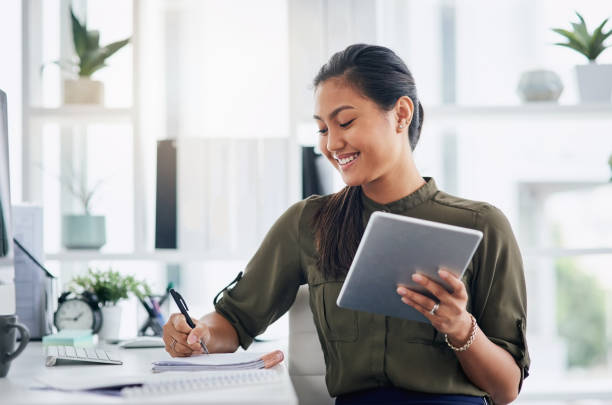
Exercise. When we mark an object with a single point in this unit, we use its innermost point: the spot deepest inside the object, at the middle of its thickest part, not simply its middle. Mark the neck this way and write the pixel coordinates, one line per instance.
(395, 185)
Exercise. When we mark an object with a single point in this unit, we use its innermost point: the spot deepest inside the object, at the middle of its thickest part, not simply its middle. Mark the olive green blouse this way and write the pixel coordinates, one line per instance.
(364, 350)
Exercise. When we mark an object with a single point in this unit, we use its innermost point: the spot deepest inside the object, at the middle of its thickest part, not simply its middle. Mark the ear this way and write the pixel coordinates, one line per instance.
(404, 108)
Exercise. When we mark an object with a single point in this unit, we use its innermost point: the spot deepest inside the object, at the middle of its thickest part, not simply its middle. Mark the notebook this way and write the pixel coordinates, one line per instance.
(213, 362)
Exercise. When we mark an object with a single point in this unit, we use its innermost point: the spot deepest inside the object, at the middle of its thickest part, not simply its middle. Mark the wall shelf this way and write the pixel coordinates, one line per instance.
(539, 111)
(84, 114)
(164, 256)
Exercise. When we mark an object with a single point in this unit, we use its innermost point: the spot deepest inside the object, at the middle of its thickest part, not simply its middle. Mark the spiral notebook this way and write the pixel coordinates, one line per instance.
(213, 362)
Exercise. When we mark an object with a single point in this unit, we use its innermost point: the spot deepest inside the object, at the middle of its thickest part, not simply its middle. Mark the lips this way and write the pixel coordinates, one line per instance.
(346, 159)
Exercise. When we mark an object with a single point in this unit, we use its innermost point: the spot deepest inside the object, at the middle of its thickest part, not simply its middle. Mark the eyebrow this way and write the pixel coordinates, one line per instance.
(335, 112)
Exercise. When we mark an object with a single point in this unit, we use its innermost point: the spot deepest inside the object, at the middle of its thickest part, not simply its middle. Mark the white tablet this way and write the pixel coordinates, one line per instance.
(392, 249)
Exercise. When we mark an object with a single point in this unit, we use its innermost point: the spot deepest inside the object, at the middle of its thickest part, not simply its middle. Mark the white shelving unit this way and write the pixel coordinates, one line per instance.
(73, 117)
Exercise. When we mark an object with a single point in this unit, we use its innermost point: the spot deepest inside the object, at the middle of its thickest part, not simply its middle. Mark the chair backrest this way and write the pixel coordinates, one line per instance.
(306, 362)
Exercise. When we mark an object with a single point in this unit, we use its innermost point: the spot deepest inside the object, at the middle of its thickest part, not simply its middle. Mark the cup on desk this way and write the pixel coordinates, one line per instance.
(8, 338)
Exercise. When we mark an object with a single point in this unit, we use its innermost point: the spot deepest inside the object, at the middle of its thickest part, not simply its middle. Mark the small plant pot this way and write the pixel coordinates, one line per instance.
(539, 86)
(111, 323)
(83, 91)
(594, 83)
(83, 231)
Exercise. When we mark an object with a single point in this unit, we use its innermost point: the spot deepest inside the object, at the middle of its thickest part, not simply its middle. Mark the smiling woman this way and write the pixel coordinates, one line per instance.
(473, 347)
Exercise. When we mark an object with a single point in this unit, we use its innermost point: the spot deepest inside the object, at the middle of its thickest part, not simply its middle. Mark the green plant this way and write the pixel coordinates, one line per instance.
(110, 286)
(589, 45)
(91, 56)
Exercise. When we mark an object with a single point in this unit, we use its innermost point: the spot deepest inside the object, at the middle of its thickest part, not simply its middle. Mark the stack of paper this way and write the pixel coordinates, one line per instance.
(215, 361)
(69, 337)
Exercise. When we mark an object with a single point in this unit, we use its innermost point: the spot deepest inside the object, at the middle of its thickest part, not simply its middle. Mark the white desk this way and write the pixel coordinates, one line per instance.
(14, 389)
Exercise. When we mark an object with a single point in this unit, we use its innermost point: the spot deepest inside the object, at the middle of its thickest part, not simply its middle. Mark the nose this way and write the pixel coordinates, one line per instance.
(334, 141)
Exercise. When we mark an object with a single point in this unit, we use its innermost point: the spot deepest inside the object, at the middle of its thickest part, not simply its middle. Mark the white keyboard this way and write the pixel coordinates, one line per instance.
(70, 354)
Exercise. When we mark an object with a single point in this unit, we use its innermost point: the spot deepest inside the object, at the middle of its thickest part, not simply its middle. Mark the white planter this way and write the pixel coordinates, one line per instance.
(83, 91)
(111, 323)
(83, 231)
(594, 83)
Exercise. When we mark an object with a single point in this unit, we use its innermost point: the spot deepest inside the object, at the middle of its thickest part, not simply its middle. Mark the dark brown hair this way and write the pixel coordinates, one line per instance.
(381, 76)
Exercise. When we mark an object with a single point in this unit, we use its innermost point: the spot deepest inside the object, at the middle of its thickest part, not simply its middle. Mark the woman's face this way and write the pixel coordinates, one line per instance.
(359, 139)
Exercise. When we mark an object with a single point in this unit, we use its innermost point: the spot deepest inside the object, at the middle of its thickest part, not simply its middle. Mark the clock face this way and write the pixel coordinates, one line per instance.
(74, 314)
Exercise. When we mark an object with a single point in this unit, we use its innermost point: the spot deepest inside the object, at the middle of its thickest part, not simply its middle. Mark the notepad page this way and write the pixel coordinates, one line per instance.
(214, 359)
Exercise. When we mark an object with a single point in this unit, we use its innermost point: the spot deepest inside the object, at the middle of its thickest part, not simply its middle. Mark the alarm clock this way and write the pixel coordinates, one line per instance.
(78, 311)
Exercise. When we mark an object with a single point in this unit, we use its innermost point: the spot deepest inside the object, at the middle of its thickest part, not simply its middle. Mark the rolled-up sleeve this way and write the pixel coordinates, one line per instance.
(270, 282)
(499, 297)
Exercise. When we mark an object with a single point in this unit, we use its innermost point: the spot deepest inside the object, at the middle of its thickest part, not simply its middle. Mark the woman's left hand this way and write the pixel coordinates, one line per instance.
(450, 315)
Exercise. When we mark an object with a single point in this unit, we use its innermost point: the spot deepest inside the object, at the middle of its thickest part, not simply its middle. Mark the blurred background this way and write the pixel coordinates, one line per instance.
(222, 90)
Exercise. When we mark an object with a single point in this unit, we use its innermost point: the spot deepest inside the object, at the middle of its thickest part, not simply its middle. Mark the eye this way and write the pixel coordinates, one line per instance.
(322, 131)
(346, 124)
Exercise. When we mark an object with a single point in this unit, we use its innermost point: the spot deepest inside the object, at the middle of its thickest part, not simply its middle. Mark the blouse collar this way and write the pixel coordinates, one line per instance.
(417, 197)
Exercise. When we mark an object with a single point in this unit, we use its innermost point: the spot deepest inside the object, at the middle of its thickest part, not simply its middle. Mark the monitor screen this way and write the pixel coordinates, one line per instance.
(6, 245)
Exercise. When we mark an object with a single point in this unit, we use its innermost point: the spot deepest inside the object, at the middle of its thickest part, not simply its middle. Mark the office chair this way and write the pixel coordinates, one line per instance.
(306, 362)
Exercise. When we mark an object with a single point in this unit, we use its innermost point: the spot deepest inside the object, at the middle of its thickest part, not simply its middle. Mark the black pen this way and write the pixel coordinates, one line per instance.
(182, 306)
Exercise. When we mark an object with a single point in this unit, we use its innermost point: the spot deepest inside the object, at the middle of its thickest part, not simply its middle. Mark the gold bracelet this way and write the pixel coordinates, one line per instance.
(469, 341)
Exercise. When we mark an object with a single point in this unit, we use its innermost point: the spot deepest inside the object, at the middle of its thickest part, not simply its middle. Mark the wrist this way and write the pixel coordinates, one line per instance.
(464, 331)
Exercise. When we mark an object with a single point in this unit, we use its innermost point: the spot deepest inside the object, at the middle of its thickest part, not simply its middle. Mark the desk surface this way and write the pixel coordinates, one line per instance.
(15, 388)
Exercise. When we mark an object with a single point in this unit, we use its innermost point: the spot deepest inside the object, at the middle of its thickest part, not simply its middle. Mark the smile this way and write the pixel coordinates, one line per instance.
(344, 160)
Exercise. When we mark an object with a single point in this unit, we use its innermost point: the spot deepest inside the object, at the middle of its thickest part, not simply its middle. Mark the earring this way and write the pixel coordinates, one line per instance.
(402, 125)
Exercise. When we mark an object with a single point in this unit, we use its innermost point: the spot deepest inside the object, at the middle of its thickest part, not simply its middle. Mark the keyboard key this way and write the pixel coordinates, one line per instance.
(101, 354)
(91, 353)
(70, 352)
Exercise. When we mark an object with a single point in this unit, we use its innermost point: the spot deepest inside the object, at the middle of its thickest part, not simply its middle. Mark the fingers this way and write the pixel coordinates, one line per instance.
(455, 282)
(413, 298)
(175, 337)
(433, 287)
(419, 307)
(179, 323)
(273, 358)
(200, 332)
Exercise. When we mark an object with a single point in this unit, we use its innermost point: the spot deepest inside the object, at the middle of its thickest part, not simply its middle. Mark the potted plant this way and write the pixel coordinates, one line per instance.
(90, 58)
(82, 231)
(110, 287)
(594, 80)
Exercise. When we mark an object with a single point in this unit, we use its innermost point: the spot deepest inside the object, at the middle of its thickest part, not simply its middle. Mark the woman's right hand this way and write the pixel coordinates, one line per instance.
(177, 333)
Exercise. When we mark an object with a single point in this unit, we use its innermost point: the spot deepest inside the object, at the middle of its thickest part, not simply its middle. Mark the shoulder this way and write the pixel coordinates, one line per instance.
(483, 215)
(302, 212)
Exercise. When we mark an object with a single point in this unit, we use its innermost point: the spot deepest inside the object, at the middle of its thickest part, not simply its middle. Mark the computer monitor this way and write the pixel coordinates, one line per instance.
(7, 271)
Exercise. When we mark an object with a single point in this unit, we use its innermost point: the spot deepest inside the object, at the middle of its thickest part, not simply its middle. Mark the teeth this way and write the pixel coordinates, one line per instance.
(348, 159)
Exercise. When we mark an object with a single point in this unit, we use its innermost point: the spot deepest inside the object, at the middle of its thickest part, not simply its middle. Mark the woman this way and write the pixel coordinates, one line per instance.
(370, 119)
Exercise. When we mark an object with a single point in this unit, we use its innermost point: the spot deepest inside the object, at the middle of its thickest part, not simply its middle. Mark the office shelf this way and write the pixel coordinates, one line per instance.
(539, 111)
(165, 256)
(567, 252)
(82, 114)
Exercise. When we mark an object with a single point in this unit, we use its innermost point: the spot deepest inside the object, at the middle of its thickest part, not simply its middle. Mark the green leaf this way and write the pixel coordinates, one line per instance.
(95, 59)
(573, 42)
(93, 40)
(596, 46)
(79, 35)
(591, 46)
(110, 286)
